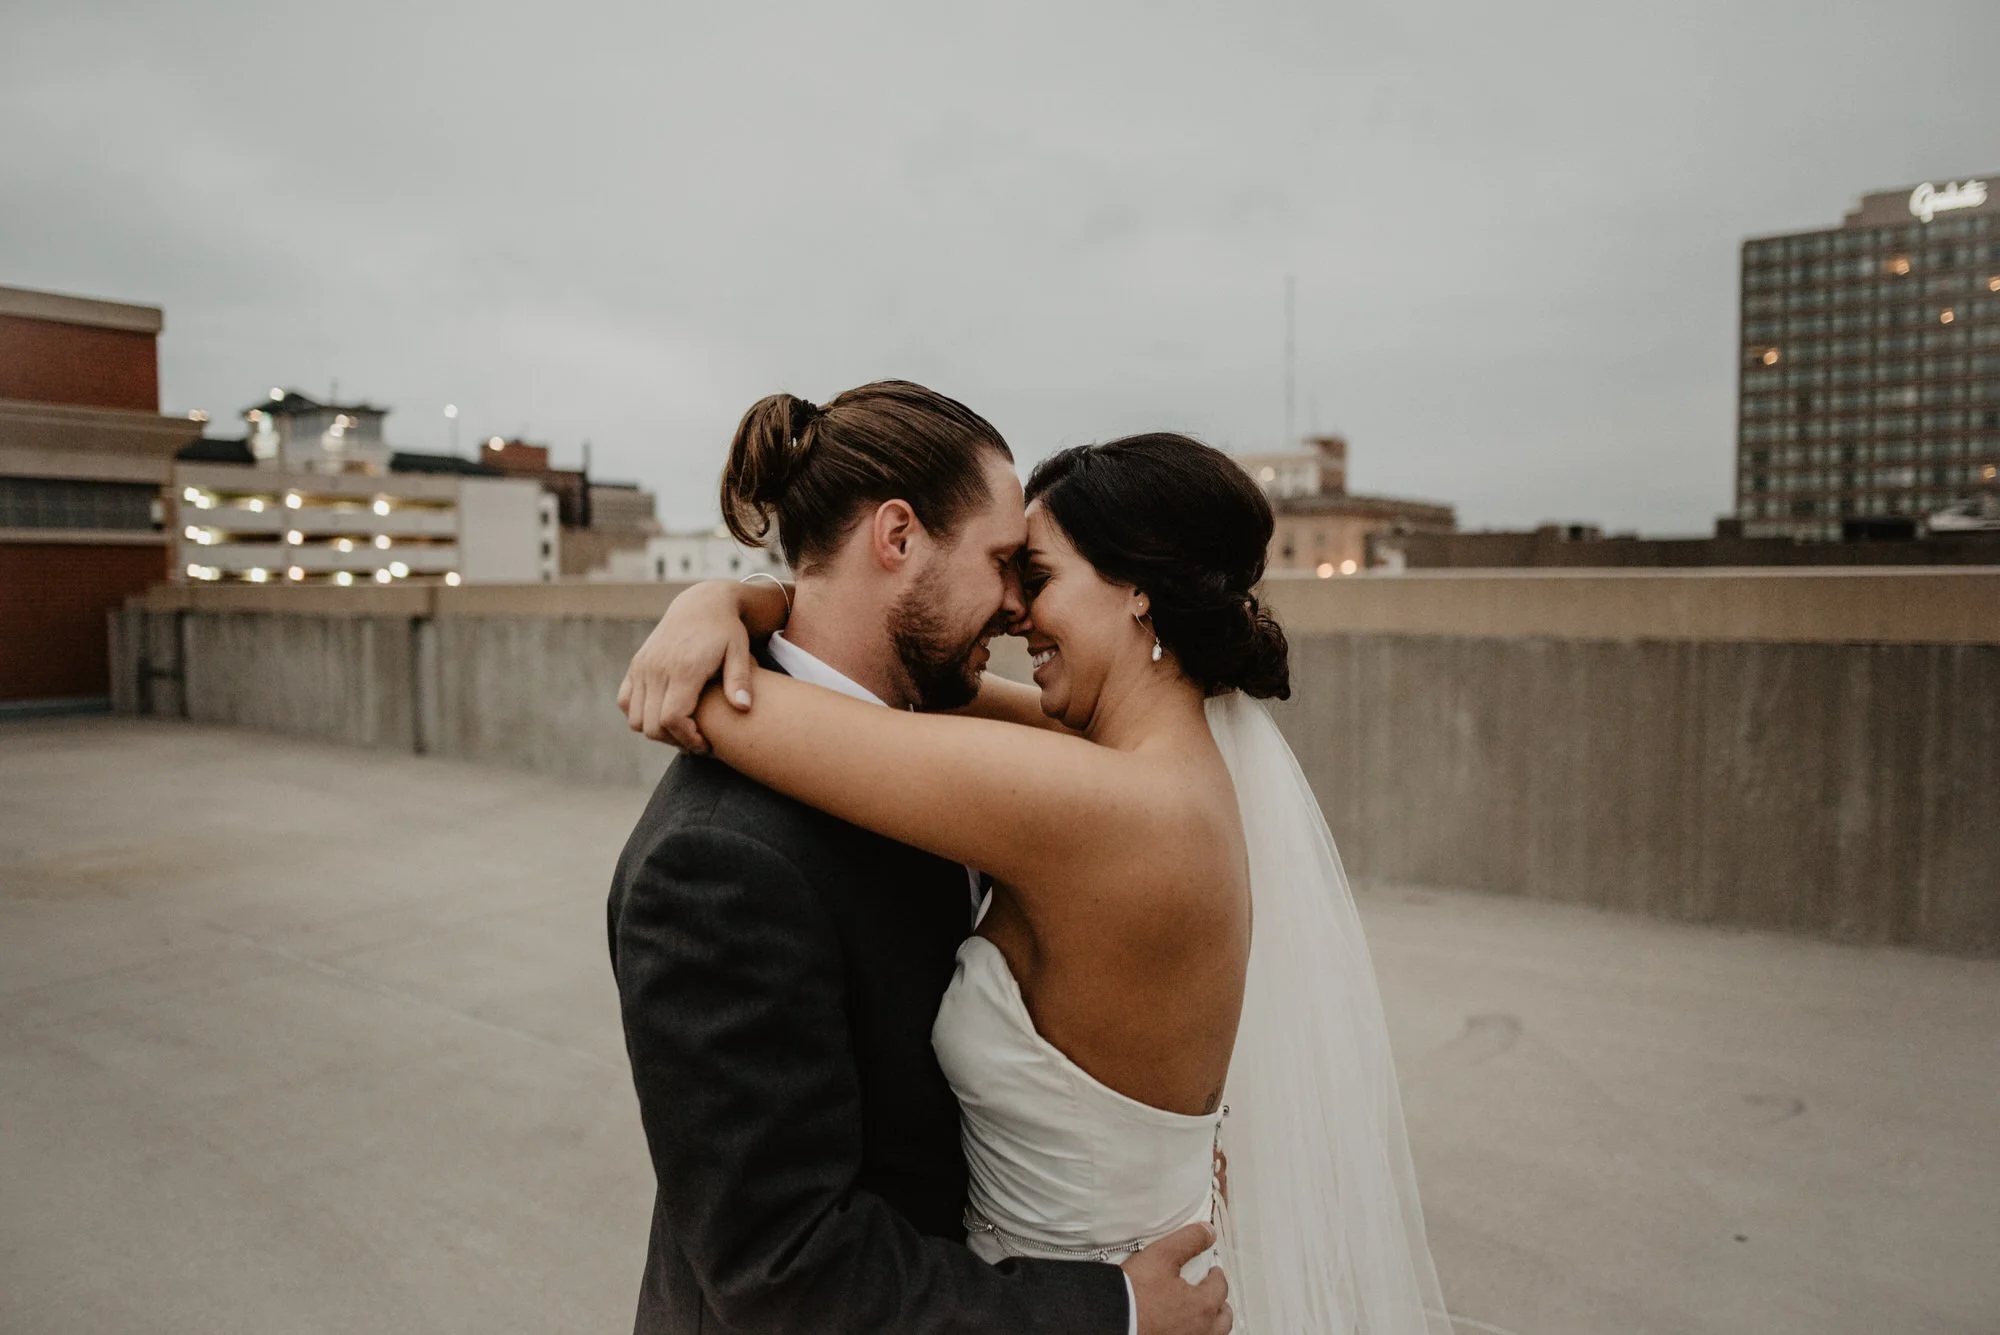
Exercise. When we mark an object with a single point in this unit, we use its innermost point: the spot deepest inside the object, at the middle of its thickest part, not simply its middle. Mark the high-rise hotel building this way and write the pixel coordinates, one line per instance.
(1870, 363)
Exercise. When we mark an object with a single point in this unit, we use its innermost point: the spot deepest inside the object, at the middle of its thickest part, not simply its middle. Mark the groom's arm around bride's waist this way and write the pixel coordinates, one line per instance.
(732, 989)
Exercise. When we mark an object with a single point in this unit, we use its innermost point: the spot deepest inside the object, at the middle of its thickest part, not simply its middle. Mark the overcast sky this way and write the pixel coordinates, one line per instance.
(1514, 226)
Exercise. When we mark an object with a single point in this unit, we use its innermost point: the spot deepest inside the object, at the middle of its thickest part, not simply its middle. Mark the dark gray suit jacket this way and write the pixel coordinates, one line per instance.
(778, 971)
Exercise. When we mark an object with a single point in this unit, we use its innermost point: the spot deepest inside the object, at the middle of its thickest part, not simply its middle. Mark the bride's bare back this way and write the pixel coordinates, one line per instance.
(1140, 981)
(1126, 914)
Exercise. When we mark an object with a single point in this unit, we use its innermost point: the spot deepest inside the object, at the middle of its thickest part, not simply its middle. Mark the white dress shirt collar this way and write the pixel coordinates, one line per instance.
(802, 666)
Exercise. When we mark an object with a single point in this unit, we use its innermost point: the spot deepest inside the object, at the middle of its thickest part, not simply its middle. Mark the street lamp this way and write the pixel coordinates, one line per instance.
(451, 416)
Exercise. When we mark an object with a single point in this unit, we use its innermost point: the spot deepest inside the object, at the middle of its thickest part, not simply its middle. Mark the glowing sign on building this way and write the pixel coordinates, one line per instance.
(1927, 201)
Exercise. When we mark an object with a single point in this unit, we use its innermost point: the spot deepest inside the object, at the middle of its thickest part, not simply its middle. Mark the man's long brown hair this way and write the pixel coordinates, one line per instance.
(807, 473)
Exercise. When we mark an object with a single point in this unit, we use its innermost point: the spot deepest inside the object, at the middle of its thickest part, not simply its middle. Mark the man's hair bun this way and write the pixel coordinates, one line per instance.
(802, 474)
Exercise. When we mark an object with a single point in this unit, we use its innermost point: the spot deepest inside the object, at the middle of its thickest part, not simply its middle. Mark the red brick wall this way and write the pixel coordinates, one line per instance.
(44, 361)
(53, 601)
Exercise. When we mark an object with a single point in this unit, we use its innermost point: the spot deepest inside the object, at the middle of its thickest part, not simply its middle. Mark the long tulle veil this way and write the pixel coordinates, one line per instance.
(1323, 1234)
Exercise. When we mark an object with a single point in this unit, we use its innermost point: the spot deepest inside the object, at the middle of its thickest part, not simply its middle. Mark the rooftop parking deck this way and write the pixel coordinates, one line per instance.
(301, 1037)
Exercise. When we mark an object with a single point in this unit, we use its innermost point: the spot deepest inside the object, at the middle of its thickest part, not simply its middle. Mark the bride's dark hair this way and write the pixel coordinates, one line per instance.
(1184, 524)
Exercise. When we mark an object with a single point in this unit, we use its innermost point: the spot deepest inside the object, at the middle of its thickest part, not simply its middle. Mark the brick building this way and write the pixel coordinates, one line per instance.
(84, 456)
(1322, 528)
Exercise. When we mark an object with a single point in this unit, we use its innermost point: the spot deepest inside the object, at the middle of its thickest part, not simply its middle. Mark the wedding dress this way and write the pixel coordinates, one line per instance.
(1322, 1234)
(1059, 1165)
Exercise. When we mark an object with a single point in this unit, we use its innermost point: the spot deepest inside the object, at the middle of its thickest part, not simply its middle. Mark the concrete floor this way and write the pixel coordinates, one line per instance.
(298, 1038)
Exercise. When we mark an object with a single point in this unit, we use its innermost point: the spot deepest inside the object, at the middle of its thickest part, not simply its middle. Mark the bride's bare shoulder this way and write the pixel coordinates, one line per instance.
(1186, 843)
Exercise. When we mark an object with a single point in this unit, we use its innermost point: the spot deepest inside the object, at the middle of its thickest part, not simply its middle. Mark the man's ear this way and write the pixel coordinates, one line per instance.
(893, 531)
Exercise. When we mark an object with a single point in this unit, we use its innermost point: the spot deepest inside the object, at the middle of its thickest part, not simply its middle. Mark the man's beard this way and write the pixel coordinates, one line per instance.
(937, 662)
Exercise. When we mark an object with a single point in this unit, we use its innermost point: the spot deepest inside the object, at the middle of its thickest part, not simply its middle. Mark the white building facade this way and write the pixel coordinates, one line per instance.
(682, 558)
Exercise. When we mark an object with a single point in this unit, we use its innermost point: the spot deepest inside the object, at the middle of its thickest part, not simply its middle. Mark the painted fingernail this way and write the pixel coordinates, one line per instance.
(742, 699)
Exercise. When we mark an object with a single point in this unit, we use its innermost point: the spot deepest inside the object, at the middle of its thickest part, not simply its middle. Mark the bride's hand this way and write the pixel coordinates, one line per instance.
(702, 632)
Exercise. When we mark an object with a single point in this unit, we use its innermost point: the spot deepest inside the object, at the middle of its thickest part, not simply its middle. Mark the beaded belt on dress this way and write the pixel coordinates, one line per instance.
(1033, 1247)
(976, 1222)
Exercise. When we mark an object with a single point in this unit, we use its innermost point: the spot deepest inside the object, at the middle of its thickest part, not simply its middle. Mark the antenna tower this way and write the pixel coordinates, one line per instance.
(1291, 362)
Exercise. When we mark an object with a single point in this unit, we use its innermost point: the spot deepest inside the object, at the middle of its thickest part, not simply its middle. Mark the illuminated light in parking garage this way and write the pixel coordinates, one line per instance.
(451, 578)
(1324, 570)
(382, 577)
(343, 544)
(190, 494)
(295, 574)
(293, 500)
(193, 533)
(1348, 567)
(1770, 357)
(255, 505)
(382, 541)
(295, 537)
(399, 570)
(343, 579)
(381, 505)
(1946, 317)
(258, 575)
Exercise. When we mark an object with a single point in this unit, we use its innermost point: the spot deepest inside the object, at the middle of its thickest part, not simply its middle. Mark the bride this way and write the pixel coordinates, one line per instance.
(1169, 972)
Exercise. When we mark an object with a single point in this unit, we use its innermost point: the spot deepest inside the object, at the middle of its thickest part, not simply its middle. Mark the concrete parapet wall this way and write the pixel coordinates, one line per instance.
(1908, 605)
(349, 679)
(1911, 605)
(1816, 751)
(633, 601)
(541, 693)
(1847, 791)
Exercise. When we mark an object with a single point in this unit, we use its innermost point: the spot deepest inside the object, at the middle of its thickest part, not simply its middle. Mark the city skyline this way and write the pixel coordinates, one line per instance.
(1515, 236)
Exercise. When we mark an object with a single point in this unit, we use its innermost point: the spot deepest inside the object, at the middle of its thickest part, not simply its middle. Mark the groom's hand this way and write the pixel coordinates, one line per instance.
(1168, 1304)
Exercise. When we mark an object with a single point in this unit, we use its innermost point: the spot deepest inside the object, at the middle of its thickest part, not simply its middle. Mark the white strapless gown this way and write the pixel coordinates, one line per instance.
(1060, 1165)
(1324, 1230)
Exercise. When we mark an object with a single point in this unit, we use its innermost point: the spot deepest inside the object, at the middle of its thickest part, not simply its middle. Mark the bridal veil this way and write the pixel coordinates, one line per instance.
(1323, 1234)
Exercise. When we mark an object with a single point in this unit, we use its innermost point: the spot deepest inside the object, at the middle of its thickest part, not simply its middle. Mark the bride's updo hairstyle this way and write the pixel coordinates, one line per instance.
(809, 473)
(1184, 524)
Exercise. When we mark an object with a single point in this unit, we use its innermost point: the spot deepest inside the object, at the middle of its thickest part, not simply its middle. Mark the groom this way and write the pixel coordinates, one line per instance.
(778, 970)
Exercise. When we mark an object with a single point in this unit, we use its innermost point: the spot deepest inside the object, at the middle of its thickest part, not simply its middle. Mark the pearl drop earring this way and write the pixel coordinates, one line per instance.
(1140, 617)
